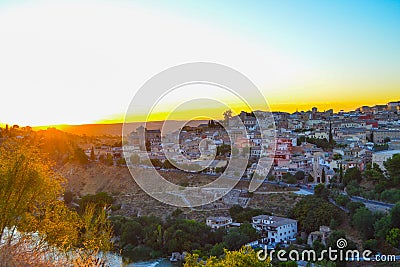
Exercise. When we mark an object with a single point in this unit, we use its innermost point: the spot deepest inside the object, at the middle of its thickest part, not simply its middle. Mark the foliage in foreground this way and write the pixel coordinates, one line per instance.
(35, 223)
(246, 256)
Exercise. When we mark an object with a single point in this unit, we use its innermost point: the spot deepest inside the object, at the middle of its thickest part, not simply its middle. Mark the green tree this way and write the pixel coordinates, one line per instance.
(393, 237)
(393, 168)
(352, 206)
(311, 212)
(27, 183)
(382, 227)
(395, 216)
(323, 176)
(80, 156)
(337, 156)
(363, 220)
(321, 191)
(217, 250)
(244, 257)
(299, 175)
(223, 149)
(352, 174)
(371, 244)
(100, 200)
(238, 237)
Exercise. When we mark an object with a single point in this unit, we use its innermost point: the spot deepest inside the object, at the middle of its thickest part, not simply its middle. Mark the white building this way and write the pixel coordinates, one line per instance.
(276, 229)
(218, 222)
(382, 156)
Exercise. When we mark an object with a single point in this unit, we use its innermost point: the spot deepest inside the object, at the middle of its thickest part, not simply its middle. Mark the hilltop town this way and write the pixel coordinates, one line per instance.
(318, 146)
(332, 175)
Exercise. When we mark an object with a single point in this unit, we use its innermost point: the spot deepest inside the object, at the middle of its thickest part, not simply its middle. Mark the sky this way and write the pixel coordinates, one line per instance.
(76, 62)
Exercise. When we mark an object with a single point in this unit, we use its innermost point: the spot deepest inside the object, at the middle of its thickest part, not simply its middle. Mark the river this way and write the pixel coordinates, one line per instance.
(115, 260)
(152, 263)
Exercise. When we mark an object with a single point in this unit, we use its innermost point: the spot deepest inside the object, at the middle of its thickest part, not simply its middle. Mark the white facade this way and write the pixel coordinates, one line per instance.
(218, 222)
(382, 156)
(277, 229)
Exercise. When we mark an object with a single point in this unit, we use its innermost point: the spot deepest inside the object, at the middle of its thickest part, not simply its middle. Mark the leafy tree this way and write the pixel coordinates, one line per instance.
(80, 156)
(96, 231)
(321, 191)
(223, 149)
(371, 244)
(391, 195)
(382, 227)
(395, 216)
(342, 200)
(217, 250)
(352, 206)
(246, 256)
(240, 214)
(289, 178)
(311, 212)
(121, 161)
(100, 200)
(374, 173)
(238, 237)
(337, 156)
(132, 233)
(107, 159)
(352, 174)
(29, 201)
(393, 168)
(323, 176)
(299, 175)
(227, 116)
(363, 220)
(393, 237)
(27, 183)
(353, 188)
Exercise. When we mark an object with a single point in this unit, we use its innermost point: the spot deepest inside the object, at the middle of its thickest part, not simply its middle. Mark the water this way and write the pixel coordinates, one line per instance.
(152, 263)
(303, 192)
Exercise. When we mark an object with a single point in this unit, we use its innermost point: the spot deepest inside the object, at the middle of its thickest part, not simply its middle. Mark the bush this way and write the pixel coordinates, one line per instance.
(371, 244)
(391, 195)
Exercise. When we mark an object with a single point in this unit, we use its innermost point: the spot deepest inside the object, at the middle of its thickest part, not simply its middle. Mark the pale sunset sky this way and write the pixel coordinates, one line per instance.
(77, 62)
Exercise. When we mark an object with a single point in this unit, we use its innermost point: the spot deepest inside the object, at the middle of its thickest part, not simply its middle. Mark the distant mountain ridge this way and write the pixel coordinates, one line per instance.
(115, 128)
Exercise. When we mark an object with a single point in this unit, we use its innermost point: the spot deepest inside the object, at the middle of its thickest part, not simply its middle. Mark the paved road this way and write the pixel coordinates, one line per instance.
(371, 204)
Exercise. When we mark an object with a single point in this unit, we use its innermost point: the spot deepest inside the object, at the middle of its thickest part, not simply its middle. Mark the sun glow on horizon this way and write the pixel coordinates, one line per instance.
(81, 62)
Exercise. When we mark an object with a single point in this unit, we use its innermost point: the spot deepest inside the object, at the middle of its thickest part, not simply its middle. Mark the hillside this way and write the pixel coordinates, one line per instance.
(113, 129)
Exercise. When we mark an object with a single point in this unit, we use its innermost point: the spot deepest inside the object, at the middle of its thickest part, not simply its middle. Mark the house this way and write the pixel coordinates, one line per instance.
(322, 235)
(382, 156)
(218, 222)
(275, 229)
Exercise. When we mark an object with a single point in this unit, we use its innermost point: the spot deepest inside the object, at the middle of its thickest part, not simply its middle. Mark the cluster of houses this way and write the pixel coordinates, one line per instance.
(273, 229)
(354, 137)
